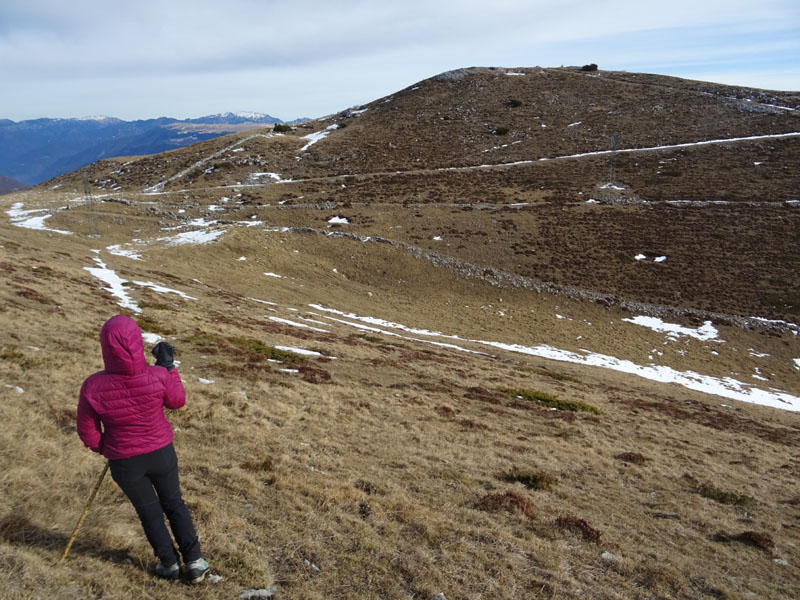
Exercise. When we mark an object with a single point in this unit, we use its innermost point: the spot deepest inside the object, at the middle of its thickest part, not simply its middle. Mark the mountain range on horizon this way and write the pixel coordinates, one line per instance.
(35, 150)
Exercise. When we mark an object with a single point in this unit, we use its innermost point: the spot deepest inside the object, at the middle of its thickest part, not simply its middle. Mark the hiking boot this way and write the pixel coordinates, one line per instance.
(196, 570)
(168, 572)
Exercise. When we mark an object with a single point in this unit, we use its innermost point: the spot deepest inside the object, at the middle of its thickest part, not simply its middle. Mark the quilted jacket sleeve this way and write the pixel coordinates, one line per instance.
(89, 427)
(174, 394)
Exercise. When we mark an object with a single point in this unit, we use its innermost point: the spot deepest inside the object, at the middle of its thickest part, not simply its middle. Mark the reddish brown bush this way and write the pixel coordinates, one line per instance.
(757, 539)
(632, 457)
(576, 525)
(508, 501)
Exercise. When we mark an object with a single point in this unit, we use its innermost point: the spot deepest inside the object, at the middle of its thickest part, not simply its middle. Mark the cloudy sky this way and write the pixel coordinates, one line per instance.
(309, 58)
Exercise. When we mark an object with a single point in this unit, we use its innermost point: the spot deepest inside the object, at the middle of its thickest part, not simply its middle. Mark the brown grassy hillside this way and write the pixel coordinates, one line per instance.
(434, 145)
(389, 374)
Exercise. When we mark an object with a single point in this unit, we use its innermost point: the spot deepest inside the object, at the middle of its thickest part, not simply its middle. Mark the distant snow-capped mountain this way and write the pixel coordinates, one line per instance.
(232, 118)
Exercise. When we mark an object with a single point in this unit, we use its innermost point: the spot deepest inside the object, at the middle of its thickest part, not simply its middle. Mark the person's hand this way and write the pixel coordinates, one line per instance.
(165, 355)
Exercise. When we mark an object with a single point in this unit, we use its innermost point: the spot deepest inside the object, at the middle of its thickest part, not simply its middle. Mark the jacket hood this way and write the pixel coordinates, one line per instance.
(123, 348)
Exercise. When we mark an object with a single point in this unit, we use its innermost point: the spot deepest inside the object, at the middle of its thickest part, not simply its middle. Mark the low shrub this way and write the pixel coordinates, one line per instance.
(556, 375)
(550, 401)
(757, 539)
(725, 497)
(533, 480)
(632, 457)
(282, 128)
(150, 325)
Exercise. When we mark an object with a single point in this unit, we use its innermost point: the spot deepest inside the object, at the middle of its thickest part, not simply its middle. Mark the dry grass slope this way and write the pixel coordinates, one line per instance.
(386, 466)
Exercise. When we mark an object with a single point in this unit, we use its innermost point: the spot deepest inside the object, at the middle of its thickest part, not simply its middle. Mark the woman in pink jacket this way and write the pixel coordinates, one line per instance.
(121, 416)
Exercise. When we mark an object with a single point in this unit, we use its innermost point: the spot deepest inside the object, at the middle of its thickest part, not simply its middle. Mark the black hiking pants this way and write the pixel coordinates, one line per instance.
(151, 483)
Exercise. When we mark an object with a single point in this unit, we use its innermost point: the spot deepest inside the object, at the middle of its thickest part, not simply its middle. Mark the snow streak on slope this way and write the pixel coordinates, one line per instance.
(313, 138)
(726, 387)
(115, 284)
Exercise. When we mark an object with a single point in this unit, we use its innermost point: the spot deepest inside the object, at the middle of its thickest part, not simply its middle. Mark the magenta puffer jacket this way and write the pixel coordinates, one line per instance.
(121, 409)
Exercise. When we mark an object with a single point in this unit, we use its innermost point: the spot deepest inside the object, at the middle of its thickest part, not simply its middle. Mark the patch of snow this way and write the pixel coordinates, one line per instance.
(205, 381)
(705, 333)
(275, 176)
(437, 238)
(574, 124)
(119, 250)
(160, 289)
(289, 370)
(296, 324)
(238, 150)
(338, 221)
(31, 219)
(758, 163)
(263, 301)
(242, 258)
(592, 201)
(302, 351)
(796, 363)
(319, 135)
(515, 73)
(274, 275)
(114, 283)
(640, 257)
(757, 354)
(16, 388)
(202, 236)
(659, 259)
(611, 186)
(151, 338)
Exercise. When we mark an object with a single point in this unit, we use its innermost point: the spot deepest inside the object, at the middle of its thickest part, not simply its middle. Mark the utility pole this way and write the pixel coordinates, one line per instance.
(87, 196)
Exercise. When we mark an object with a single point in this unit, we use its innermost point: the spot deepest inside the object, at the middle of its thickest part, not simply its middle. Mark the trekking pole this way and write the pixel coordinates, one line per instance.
(83, 516)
